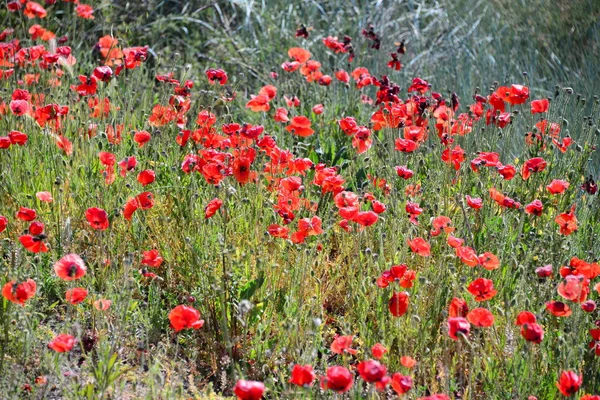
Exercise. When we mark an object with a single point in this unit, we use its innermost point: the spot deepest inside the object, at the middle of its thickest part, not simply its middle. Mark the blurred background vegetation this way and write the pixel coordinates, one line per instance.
(455, 43)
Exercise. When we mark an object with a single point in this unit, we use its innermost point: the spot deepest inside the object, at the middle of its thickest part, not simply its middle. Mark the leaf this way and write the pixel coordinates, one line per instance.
(251, 287)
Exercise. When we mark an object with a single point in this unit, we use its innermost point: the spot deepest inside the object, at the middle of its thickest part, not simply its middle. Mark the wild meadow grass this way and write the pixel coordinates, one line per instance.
(222, 212)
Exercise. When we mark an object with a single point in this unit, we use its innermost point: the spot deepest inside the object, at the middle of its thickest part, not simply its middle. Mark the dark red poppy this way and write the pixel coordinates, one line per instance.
(588, 306)
(70, 267)
(216, 75)
(103, 73)
(558, 309)
(482, 289)
(76, 295)
(401, 383)
(545, 271)
(97, 218)
(458, 325)
(338, 379)
(19, 293)
(371, 371)
(62, 343)
(398, 303)
(185, 317)
(302, 375)
(532, 332)
(569, 383)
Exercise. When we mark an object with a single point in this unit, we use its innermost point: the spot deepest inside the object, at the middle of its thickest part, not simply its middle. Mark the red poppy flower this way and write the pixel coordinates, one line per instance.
(212, 207)
(341, 345)
(184, 317)
(371, 371)
(33, 9)
(419, 246)
(258, 103)
(535, 208)
(378, 350)
(97, 218)
(539, 106)
(34, 244)
(302, 375)
(567, 222)
(318, 108)
(3, 223)
(558, 309)
(142, 137)
(574, 288)
(481, 317)
(589, 397)
(458, 325)
(419, 85)
(455, 157)
(26, 214)
(489, 261)
(19, 293)
(281, 115)
(300, 126)
(76, 295)
(62, 343)
(365, 218)
(569, 383)
(595, 343)
(467, 255)
(454, 242)
(85, 11)
(525, 317)
(216, 75)
(532, 165)
(130, 207)
(401, 383)
(70, 267)
(398, 303)
(248, 390)
(342, 76)
(588, 306)
(103, 73)
(406, 145)
(545, 271)
(532, 332)
(152, 258)
(458, 308)
(338, 379)
(17, 138)
(403, 172)
(482, 289)
(557, 186)
(146, 177)
(474, 202)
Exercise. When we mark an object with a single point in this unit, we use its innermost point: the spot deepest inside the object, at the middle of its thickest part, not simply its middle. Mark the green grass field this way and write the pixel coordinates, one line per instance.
(336, 199)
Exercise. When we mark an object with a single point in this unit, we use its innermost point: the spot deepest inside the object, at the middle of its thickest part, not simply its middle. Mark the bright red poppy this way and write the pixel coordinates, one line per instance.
(398, 303)
(567, 222)
(185, 317)
(481, 317)
(62, 343)
(569, 383)
(249, 390)
(338, 379)
(371, 371)
(419, 246)
(300, 126)
(97, 218)
(70, 267)
(212, 207)
(152, 258)
(76, 295)
(558, 309)
(19, 292)
(342, 344)
(458, 308)
(26, 214)
(535, 208)
(539, 106)
(33, 243)
(532, 332)
(146, 177)
(302, 375)
(482, 289)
